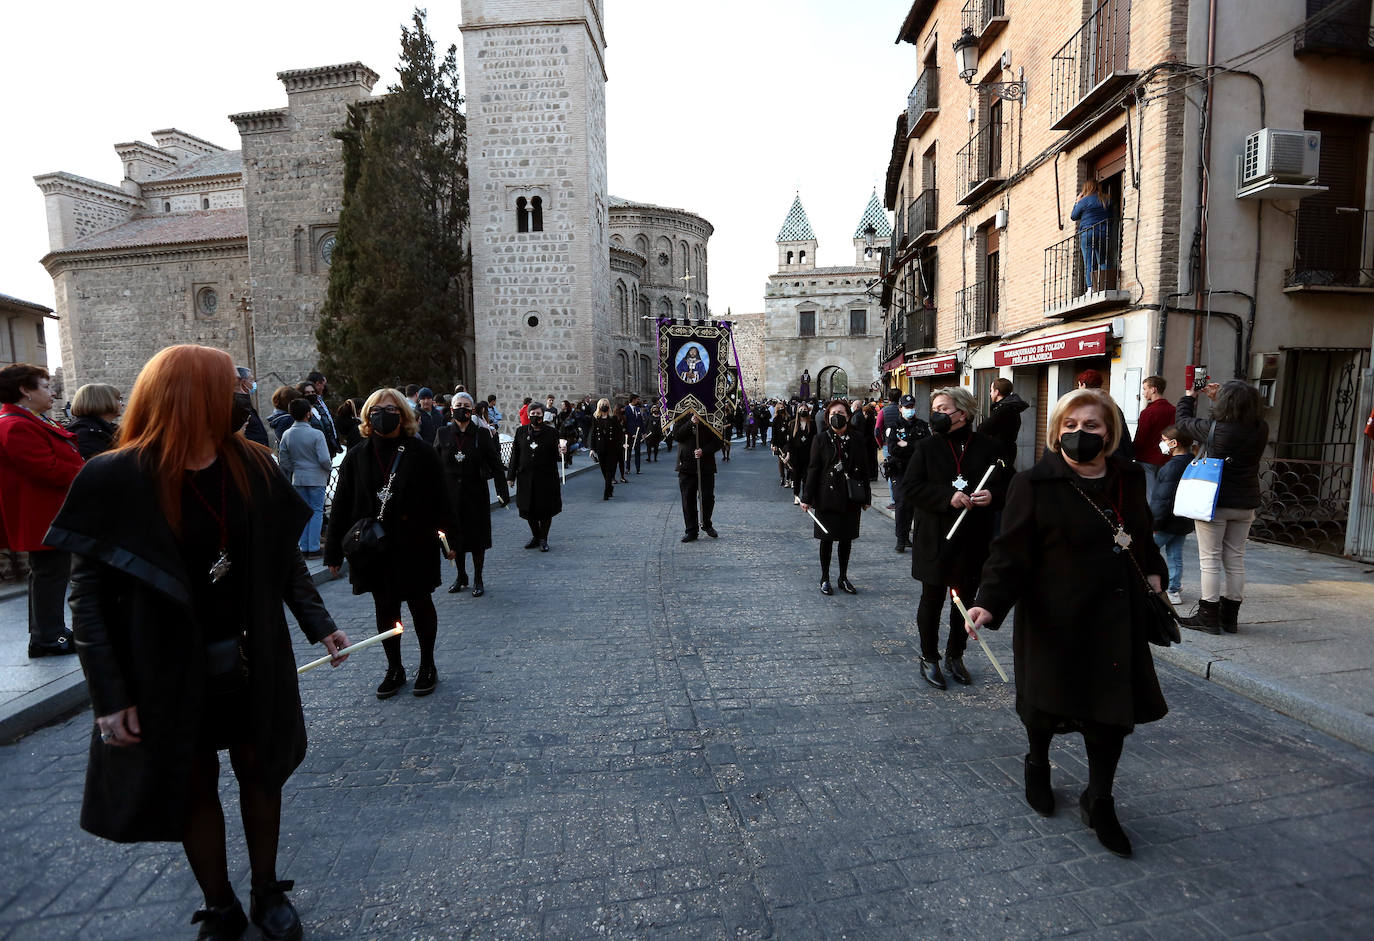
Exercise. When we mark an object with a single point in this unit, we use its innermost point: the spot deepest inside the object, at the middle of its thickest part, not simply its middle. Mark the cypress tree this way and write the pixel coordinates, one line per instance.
(397, 301)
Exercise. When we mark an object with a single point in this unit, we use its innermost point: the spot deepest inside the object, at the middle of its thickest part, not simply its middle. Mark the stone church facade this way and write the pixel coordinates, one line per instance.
(825, 321)
(231, 248)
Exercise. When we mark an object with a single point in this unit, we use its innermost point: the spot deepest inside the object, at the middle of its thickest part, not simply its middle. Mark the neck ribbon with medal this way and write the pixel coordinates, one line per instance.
(958, 483)
(1120, 538)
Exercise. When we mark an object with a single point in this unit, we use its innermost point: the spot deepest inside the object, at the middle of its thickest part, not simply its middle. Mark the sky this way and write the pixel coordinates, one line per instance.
(726, 108)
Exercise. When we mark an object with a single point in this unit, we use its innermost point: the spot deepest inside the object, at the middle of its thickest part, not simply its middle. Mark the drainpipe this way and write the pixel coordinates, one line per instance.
(1198, 315)
(1204, 162)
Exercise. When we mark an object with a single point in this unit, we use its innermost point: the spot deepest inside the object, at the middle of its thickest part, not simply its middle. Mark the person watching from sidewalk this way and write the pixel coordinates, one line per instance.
(38, 461)
(1157, 415)
(1075, 543)
(1238, 434)
(185, 545)
(95, 409)
(304, 458)
(1171, 531)
(1004, 418)
(901, 435)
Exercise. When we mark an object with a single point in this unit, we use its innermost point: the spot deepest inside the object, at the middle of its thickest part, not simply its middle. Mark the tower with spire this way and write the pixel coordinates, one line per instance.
(871, 233)
(796, 240)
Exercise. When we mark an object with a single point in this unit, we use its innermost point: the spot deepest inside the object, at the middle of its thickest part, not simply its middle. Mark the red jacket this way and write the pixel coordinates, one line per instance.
(38, 461)
(1154, 418)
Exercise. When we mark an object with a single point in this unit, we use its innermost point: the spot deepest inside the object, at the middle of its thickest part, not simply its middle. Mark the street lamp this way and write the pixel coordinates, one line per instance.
(966, 60)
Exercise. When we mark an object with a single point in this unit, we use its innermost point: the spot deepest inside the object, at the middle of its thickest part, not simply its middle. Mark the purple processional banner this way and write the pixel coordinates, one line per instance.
(696, 372)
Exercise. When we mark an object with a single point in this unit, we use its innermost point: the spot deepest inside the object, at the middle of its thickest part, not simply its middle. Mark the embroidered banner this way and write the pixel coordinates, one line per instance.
(695, 375)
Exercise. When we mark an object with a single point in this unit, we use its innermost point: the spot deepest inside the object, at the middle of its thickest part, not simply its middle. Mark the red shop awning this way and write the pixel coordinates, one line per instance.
(1075, 344)
(932, 366)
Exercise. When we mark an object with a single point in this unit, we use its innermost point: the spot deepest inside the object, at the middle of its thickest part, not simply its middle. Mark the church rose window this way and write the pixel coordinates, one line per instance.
(207, 301)
(327, 249)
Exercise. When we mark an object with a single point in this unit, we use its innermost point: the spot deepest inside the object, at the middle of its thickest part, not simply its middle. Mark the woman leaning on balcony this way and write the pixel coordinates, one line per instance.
(1092, 213)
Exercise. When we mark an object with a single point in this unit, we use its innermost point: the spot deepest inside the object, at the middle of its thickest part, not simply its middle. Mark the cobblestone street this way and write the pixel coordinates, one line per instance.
(638, 738)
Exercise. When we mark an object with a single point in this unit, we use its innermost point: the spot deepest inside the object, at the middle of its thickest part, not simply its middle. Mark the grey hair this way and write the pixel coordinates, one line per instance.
(963, 400)
(464, 395)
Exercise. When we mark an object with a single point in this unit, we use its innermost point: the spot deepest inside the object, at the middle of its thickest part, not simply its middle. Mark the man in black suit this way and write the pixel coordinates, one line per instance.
(696, 474)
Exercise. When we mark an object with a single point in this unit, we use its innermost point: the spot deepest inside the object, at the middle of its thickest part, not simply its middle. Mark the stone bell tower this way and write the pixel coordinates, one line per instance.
(535, 83)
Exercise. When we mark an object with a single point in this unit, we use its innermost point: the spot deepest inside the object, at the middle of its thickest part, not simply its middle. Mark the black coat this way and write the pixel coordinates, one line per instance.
(94, 435)
(689, 439)
(1080, 644)
(799, 443)
(826, 490)
(1162, 499)
(607, 439)
(899, 430)
(466, 480)
(1241, 445)
(533, 469)
(417, 510)
(141, 644)
(928, 485)
(1004, 424)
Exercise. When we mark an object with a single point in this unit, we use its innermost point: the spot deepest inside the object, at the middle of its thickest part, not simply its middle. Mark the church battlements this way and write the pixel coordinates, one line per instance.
(323, 77)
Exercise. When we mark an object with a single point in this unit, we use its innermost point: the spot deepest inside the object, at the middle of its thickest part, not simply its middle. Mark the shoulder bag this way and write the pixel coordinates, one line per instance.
(1196, 497)
(367, 537)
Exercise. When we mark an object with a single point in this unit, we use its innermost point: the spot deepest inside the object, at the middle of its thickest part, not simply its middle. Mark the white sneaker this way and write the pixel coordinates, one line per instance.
(796, 501)
(1175, 598)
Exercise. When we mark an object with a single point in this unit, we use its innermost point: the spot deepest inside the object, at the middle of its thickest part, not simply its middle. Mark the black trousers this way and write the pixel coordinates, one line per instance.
(933, 598)
(49, 572)
(607, 474)
(905, 511)
(751, 436)
(687, 483)
(425, 620)
(635, 453)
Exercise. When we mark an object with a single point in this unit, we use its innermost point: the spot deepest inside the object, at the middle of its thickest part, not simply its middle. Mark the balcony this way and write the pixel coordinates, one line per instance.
(923, 104)
(976, 307)
(1333, 252)
(920, 217)
(986, 19)
(920, 330)
(983, 163)
(1091, 67)
(1343, 33)
(894, 334)
(1096, 250)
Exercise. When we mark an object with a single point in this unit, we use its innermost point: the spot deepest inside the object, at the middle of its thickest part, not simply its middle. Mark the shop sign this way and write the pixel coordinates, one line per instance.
(894, 363)
(935, 366)
(1073, 345)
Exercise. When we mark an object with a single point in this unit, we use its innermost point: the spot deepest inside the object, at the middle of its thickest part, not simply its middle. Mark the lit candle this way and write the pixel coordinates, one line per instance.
(982, 483)
(444, 540)
(982, 643)
(352, 648)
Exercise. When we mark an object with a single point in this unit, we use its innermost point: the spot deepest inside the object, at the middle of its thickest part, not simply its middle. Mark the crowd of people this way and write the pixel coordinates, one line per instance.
(183, 528)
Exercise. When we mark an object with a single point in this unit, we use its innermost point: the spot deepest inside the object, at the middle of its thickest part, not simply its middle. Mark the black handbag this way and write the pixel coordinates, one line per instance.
(367, 537)
(858, 491)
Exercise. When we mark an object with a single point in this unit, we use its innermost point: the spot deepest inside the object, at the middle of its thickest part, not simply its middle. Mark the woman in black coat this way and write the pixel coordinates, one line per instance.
(95, 409)
(1075, 557)
(837, 488)
(533, 469)
(1239, 435)
(606, 439)
(800, 437)
(184, 543)
(470, 457)
(392, 460)
(940, 482)
(782, 425)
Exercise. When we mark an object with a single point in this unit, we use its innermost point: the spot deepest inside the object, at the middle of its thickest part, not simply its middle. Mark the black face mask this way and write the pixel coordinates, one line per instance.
(940, 423)
(384, 423)
(536, 422)
(243, 410)
(1081, 446)
(462, 415)
(838, 421)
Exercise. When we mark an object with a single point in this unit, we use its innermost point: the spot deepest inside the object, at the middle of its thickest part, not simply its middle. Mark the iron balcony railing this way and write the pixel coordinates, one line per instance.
(1343, 32)
(920, 329)
(894, 336)
(924, 97)
(1084, 263)
(976, 306)
(978, 13)
(921, 214)
(1098, 52)
(1332, 247)
(984, 161)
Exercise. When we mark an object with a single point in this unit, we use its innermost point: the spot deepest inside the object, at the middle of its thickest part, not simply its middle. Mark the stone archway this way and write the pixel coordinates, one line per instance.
(832, 382)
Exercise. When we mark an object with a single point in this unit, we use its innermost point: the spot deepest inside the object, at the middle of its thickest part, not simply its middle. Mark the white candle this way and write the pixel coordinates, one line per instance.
(444, 539)
(351, 648)
(972, 630)
(981, 484)
(818, 522)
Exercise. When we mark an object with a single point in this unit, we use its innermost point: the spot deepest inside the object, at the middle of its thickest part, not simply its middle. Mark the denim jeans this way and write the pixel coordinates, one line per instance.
(310, 536)
(1171, 544)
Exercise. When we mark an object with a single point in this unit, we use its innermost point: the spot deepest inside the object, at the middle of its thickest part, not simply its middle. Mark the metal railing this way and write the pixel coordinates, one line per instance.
(1332, 247)
(1068, 269)
(920, 329)
(978, 13)
(921, 213)
(1345, 32)
(894, 334)
(986, 157)
(1100, 48)
(1306, 503)
(976, 306)
(925, 95)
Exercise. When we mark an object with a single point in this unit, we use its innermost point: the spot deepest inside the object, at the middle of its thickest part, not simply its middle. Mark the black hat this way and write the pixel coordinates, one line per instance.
(908, 401)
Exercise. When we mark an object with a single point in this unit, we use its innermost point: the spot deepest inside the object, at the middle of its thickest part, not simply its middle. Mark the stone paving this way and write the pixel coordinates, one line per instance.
(637, 738)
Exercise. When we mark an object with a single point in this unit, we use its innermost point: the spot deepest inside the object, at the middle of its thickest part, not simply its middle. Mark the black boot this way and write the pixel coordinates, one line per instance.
(1207, 618)
(1227, 615)
(426, 678)
(459, 583)
(930, 672)
(273, 912)
(1099, 813)
(1039, 794)
(227, 923)
(391, 683)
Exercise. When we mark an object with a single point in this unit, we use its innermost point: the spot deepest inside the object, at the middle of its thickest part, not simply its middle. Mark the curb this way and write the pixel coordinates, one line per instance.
(67, 693)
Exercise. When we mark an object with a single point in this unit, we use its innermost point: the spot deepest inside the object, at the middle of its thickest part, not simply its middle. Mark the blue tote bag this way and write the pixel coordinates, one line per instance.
(1196, 497)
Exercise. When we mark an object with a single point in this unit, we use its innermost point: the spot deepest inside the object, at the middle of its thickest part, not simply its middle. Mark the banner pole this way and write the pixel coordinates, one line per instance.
(701, 494)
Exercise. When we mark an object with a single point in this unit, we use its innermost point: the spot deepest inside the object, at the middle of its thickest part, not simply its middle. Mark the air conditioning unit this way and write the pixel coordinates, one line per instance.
(1281, 156)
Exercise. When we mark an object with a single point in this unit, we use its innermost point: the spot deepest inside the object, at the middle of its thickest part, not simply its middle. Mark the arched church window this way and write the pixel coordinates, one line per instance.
(789, 258)
(665, 307)
(537, 207)
(166, 207)
(801, 257)
(522, 218)
(683, 308)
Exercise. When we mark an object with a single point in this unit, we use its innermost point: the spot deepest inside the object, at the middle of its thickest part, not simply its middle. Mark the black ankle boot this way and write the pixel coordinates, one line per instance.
(273, 912)
(1228, 613)
(1099, 813)
(1207, 618)
(1039, 794)
(226, 923)
(391, 683)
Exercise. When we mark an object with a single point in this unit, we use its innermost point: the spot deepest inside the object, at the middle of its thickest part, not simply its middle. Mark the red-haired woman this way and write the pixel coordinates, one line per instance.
(38, 460)
(185, 550)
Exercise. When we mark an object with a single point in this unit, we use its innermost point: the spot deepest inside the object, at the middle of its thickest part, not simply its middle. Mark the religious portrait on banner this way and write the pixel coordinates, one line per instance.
(695, 372)
(692, 363)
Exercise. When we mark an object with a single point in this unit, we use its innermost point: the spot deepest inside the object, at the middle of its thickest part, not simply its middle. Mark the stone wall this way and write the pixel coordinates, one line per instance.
(749, 346)
(831, 293)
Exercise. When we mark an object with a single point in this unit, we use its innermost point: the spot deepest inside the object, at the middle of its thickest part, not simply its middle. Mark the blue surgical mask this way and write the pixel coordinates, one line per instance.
(908, 412)
(254, 387)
